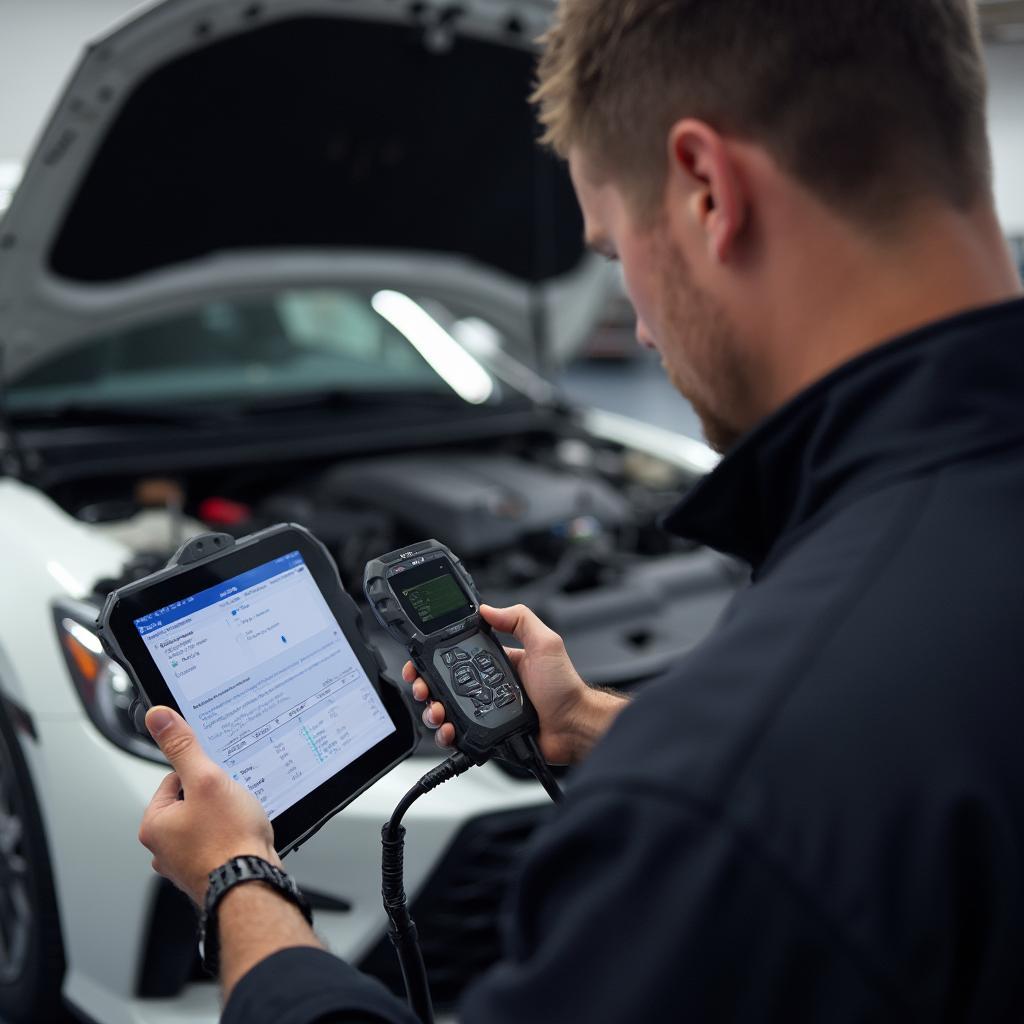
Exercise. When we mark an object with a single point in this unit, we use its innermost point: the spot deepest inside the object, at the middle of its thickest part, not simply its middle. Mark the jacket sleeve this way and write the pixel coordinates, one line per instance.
(310, 986)
(634, 908)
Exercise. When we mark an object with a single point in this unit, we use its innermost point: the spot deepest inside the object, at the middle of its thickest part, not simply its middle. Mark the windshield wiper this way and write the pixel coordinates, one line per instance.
(84, 413)
(345, 400)
(233, 409)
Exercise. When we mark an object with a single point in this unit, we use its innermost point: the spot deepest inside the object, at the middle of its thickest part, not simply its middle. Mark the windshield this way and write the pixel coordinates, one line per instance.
(293, 342)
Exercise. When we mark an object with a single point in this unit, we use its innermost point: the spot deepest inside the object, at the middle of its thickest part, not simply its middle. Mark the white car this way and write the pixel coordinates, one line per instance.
(296, 260)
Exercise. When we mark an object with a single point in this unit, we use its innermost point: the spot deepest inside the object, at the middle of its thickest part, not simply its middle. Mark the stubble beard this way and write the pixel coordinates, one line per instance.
(702, 355)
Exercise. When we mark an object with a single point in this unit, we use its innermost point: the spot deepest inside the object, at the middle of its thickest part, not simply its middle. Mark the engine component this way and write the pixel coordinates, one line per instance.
(476, 503)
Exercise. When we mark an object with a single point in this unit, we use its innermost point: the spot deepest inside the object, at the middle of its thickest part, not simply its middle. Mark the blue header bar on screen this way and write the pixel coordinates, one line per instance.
(212, 595)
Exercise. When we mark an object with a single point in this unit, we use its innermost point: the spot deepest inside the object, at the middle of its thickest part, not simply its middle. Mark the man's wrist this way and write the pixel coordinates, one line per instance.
(598, 709)
(241, 897)
(254, 922)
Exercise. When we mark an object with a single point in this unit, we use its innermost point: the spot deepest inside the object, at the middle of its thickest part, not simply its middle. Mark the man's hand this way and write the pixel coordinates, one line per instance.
(217, 820)
(573, 716)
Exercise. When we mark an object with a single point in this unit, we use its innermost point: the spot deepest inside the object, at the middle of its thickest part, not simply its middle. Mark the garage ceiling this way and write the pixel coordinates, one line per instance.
(1002, 20)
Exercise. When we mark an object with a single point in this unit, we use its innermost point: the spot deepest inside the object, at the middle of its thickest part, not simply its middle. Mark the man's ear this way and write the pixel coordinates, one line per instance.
(706, 187)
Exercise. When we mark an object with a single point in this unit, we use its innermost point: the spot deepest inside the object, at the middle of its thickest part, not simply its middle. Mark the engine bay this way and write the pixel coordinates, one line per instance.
(568, 527)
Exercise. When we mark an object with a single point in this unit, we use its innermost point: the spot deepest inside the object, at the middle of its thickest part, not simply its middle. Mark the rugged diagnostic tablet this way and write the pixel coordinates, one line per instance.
(256, 643)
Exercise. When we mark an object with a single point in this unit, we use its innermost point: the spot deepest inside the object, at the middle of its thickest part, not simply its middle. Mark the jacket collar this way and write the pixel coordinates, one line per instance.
(935, 396)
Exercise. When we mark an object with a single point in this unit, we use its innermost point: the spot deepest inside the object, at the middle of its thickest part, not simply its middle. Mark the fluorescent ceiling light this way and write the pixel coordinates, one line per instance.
(449, 360)
(677, 449)
(10, 175)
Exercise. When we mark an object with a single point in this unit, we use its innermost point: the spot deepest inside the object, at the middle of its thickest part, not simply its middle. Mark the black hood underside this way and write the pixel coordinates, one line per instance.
(318, 132)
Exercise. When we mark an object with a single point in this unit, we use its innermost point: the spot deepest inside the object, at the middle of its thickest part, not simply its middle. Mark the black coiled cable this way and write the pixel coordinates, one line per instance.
(401, 927)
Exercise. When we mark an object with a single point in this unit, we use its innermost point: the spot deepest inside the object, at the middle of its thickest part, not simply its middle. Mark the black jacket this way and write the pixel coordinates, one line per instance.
(819, 814)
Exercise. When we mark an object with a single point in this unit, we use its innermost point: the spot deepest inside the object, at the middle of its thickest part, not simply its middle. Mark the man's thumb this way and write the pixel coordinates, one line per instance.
(520, 622)
(176, 739)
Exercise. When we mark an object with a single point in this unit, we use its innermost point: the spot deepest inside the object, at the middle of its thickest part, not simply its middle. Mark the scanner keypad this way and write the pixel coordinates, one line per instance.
(476, 674)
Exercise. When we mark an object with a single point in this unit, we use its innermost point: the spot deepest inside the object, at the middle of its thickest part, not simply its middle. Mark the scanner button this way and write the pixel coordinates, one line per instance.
(460, 655)
(464, 676)
(449, 657)
(484, 662)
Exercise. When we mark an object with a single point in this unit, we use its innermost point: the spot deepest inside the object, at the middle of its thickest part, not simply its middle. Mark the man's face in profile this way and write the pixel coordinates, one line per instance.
(678, 318)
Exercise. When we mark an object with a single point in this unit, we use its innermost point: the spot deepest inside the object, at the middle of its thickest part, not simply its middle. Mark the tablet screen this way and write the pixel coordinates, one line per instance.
(265, 676)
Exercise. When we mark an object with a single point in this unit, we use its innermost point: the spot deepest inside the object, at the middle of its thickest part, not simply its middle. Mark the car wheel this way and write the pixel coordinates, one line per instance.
(31, 953)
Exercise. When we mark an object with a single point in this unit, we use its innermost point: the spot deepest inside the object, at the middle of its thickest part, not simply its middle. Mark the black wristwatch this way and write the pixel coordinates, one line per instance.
(235, 872)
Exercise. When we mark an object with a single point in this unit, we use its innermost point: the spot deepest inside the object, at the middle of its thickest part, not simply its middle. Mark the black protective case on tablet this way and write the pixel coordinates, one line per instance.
(211, 559)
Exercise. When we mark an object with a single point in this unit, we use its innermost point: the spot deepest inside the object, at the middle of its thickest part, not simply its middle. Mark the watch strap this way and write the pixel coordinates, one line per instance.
(222, 880)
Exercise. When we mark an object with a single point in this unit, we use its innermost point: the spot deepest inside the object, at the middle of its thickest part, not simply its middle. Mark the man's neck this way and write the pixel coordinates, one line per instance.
(856, 293)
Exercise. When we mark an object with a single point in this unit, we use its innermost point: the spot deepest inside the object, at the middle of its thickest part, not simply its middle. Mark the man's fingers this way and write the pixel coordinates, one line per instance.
(411, 675)
(165, 795)
(178, 743)
(445, 736)
(167, 792)
(433, 715)
(419, 688)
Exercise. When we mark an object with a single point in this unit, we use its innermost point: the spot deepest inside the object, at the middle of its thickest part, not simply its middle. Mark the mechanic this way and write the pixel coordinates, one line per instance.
(819, 813)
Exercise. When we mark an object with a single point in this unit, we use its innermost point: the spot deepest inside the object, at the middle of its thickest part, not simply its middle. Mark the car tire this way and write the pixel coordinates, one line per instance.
(31, 951)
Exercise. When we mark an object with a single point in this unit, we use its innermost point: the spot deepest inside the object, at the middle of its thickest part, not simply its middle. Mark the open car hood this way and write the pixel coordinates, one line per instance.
(210, 149)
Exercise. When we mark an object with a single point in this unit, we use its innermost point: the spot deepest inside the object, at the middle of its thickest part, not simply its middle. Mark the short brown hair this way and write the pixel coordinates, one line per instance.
(869, 103)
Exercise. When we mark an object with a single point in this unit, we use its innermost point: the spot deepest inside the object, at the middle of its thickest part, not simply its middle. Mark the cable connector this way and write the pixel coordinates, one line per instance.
(457, 764)
(524, 750)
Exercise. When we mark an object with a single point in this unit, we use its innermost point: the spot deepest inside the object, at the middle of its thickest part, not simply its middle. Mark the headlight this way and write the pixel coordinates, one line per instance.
(104, 687)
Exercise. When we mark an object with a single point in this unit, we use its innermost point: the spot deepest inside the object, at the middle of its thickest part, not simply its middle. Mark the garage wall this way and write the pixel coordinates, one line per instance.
(40, 41)
(1006, 113)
